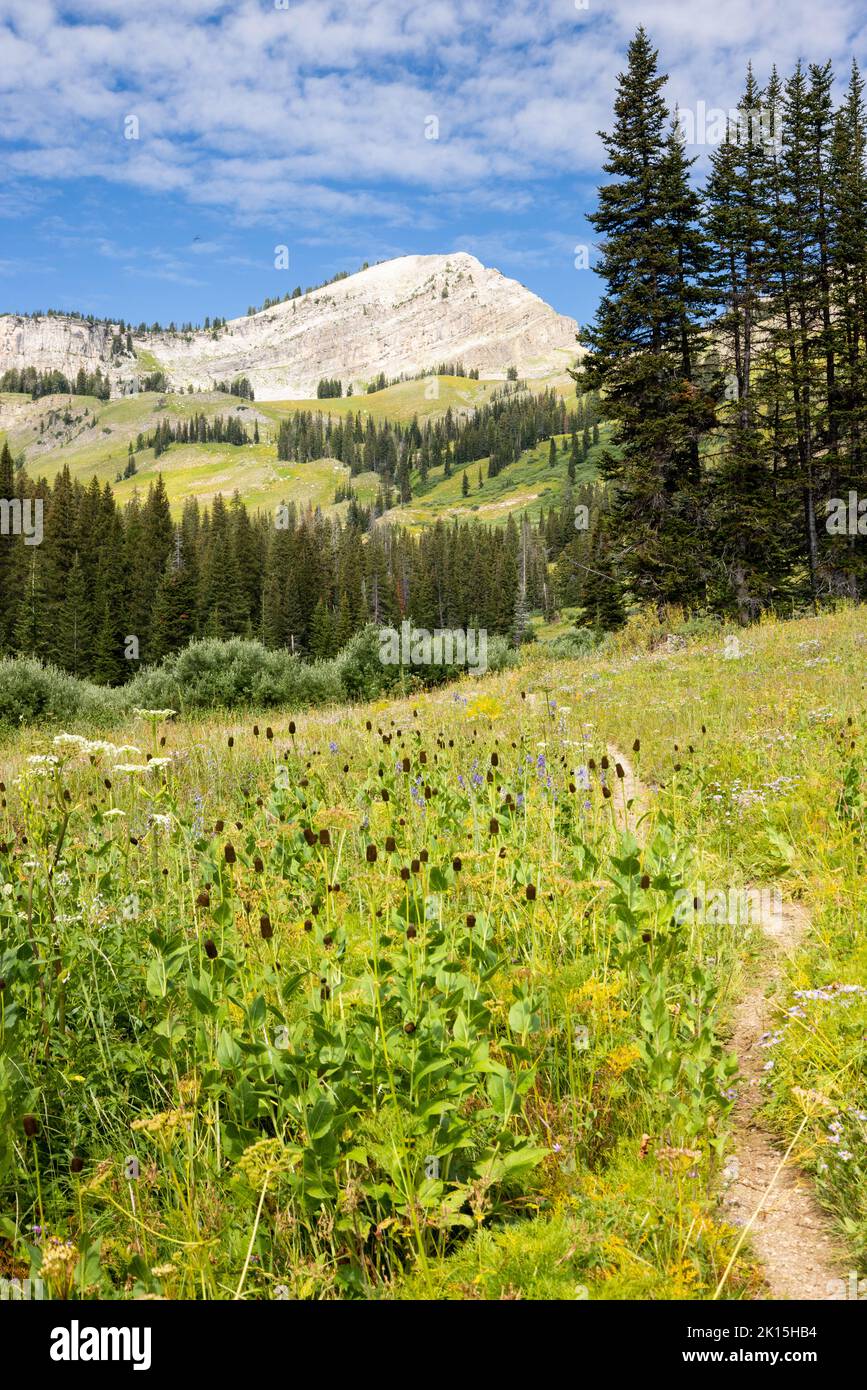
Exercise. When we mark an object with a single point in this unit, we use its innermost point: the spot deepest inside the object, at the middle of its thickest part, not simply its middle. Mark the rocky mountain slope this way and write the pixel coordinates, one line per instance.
(402, 316)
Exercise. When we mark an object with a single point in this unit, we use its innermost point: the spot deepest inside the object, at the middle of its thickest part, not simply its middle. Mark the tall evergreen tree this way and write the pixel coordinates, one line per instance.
(644, 341)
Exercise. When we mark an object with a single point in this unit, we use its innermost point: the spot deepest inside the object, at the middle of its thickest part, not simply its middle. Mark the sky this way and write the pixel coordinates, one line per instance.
(156, 154)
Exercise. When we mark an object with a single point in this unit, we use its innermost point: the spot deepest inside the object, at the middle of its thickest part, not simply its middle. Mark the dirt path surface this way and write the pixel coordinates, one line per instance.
(765, 1193)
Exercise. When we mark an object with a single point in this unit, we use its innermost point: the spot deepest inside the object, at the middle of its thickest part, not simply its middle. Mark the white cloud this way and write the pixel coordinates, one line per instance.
(317, 112)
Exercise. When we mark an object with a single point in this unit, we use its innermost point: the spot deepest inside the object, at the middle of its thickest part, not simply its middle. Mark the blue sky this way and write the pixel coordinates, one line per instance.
(263, 123)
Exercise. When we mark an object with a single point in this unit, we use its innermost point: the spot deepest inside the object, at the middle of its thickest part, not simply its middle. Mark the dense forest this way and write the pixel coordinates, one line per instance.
(105, 573)
(499, 431)
(730, 349)
(36, 383)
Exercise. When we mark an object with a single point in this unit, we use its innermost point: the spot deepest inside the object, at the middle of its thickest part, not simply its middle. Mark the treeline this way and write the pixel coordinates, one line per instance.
(120, 325)
(240, 386)
(35, 383)
(499, 431)
(380, 382)
(298, 293)
(198, 429)
(734, 374)
(109, 588)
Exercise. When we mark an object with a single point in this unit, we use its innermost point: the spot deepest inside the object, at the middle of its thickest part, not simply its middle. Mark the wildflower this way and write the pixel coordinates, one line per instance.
(260, 1161)
(163, 1123)
(188, 1088)
(622, 1058)
(815, 1100)
(58, 1264)
(69, 741)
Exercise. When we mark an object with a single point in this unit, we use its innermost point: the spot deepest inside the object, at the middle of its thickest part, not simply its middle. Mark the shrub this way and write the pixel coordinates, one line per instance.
(214, 674)
(31, 693)
(572, 644)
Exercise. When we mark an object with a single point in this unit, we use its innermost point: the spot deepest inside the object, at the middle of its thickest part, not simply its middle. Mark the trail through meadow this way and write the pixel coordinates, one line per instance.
(765, 1194)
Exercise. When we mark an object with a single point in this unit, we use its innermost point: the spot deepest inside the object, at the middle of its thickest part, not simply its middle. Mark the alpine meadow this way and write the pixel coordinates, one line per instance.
(433, 723)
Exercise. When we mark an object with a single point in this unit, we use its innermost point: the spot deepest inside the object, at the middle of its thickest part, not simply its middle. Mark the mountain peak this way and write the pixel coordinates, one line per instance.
(402, 317)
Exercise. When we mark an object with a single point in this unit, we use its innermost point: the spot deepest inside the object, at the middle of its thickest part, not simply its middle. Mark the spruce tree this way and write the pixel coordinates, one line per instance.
(643, 343)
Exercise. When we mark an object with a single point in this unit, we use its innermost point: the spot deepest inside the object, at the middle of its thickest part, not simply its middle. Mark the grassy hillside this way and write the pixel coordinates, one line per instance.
(395, 1001)
(92, 438)
(528, 484)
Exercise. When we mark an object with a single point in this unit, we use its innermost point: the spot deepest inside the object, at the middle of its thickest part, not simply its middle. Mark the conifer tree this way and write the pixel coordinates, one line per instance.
(643, 343)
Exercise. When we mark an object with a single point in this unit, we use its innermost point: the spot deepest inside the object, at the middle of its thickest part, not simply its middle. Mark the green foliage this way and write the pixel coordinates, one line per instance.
(32, 693)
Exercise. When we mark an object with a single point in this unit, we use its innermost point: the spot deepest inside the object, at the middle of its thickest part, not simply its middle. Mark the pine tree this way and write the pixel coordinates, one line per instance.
(175, 606)
(10, 547)
(321, 634)
(643, 343)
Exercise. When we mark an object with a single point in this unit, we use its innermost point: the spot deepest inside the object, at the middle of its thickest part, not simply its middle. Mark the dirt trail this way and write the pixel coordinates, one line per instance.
(765, 1193)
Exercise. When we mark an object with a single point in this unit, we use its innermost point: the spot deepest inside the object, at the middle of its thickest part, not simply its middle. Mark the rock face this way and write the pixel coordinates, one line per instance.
(401, 317)
(53, 344)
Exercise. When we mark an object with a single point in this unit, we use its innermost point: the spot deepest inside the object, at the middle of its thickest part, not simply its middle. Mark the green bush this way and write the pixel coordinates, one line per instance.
(215, 674)
(31, 693)
(572, 644)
